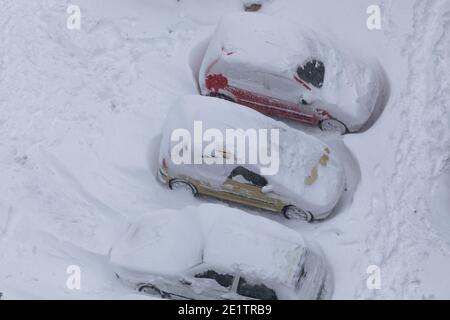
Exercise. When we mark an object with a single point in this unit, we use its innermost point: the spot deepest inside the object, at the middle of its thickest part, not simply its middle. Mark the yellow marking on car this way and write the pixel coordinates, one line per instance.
(324, 159)
(313, 176)
(315, 170)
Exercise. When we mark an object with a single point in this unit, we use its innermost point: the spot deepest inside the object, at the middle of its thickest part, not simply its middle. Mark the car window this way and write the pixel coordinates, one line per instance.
(225, 280)
(256, 291)
(250, 176)
(312, 72)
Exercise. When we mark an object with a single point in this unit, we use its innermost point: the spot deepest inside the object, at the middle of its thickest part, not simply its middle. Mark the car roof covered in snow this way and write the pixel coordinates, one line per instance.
(164, 242)
(258, 248)
(172, 241)
(263, 40)
(299, 152)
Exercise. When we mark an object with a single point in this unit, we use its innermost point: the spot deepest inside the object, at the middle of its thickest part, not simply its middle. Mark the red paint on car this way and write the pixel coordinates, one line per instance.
(302, 83)
(266, 104)
(215, 82)
(271, 106)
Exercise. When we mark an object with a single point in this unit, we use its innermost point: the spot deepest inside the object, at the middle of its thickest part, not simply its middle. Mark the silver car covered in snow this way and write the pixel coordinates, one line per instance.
(215, 252)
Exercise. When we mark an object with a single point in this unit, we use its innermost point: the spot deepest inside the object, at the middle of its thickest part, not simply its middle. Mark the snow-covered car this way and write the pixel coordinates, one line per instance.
(286, 71)
(216, 252)
(307, 183)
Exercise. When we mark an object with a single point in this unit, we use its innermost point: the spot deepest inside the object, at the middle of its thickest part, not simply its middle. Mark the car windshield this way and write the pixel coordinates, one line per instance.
(225, 280)
(312, 72)
(256, 291)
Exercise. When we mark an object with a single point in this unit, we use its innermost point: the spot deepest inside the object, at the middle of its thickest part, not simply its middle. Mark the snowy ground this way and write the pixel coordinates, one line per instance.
(81, 115)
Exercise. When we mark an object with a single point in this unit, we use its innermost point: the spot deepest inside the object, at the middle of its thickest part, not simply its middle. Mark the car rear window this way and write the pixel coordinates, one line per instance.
(312, 72)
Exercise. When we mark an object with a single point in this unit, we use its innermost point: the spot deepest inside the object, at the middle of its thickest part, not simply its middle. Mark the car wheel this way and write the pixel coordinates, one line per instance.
(221, 96)
(293, 212)
(333, 125)
(181, 185)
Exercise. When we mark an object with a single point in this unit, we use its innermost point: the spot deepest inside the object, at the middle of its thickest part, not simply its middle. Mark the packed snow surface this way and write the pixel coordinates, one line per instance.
(81, 115)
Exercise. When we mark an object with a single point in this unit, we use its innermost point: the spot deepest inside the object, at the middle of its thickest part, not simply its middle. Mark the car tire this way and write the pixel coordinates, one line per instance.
(293, 212)
(221, 96)
(333, 125)
(182, 185)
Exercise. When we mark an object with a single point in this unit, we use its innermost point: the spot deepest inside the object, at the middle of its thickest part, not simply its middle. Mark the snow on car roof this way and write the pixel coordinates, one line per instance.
(221, 114)
(254, 246)
(173, 241)
(263, 40)
(299, 152)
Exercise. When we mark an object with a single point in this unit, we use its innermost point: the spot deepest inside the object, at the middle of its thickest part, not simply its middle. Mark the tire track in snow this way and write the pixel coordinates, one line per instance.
(401, 240)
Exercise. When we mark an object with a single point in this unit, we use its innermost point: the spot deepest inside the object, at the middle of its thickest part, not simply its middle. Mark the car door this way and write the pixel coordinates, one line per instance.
(249, 86)
(245, 186)
(287, 94)
(284, 88)
(245, 82)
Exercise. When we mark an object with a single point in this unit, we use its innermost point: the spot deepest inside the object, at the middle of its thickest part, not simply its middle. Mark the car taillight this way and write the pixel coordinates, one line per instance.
(164, 163)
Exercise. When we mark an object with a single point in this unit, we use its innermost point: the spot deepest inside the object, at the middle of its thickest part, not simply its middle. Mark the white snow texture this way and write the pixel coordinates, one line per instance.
(81, 115)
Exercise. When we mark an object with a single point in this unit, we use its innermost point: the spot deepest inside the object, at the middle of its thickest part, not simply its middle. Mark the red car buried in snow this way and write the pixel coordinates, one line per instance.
(282, 70)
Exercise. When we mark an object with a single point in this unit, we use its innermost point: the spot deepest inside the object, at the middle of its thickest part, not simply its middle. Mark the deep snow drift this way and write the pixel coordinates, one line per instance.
(80, 122)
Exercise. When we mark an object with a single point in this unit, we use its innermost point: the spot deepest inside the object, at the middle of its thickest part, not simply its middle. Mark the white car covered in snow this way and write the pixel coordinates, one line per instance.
(302, 177)
(284, 70)
(214, 252)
